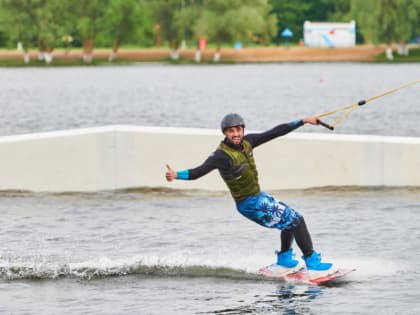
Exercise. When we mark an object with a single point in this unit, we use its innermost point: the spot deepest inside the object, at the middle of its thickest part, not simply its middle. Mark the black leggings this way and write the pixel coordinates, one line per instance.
(301, 234)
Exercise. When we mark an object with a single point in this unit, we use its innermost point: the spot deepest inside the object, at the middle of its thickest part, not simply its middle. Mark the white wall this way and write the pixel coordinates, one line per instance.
(118, 157)
(329, 34)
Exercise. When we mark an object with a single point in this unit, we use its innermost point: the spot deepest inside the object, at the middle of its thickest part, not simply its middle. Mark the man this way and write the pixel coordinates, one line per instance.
(235, 162)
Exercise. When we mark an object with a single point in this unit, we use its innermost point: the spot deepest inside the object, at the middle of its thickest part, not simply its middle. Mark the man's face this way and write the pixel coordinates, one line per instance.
(234, 134)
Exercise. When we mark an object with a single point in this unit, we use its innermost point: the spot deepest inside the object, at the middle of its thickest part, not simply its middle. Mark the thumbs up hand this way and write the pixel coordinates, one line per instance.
(170, 174)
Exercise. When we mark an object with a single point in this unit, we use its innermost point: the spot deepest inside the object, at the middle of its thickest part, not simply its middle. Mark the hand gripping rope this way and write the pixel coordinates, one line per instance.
(347, 110)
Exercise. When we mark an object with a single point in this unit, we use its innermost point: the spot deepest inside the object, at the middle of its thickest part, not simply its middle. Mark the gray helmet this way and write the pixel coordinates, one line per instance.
(232, 120)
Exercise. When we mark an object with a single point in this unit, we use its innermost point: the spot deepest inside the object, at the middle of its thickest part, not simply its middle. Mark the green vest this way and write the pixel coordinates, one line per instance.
(242, 177)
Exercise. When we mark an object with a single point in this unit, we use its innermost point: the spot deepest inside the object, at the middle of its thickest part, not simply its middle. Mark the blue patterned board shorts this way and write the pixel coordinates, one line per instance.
(267, 211)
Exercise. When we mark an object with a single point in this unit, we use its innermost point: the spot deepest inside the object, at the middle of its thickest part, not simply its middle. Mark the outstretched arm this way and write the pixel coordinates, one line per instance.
(217, 160)
(257, 139)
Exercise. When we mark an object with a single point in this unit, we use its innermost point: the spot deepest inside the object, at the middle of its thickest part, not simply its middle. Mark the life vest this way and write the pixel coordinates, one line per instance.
(242, 177)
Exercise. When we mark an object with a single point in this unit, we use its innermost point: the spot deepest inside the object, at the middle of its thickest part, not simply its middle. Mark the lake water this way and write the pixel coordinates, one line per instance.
(166, 253)
(38, 99)
(190, 252)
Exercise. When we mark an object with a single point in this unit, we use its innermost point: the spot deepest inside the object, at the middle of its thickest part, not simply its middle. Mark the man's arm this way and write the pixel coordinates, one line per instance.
(257, 139)
(218, 160)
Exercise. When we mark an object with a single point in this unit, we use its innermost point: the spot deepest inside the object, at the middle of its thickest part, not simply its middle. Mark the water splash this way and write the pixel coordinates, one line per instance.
(175, 264)
(106, 267)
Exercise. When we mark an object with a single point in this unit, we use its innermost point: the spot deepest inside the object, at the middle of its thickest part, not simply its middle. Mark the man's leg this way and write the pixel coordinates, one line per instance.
(303, 238)
(301, 234)
(312, 259)
(286, 237)
(285, 256)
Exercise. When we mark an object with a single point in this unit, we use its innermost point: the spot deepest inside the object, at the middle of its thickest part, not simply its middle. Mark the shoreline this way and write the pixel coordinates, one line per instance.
(360, 53)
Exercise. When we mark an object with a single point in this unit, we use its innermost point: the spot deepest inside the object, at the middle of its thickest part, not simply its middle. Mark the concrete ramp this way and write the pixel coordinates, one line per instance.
(121, 157)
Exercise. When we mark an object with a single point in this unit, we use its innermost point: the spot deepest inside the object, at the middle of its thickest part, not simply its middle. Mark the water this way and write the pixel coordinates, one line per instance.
(168, 253)
(38, 99)
(190, 252)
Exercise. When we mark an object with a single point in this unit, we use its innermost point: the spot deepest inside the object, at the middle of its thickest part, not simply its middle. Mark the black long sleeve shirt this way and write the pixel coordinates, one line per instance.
(220, 160)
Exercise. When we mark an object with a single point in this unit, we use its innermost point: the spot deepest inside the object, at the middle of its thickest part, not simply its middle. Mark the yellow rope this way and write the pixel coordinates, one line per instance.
(350, 108)
(392, 91)
(341, 118)
(336, 110)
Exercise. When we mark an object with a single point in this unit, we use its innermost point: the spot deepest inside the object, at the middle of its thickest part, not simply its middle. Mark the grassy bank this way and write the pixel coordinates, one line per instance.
(246, 55)
(414, 56)
(60, 62)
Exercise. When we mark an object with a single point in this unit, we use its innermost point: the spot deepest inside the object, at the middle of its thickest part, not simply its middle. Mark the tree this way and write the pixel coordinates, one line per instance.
(364, 13)
(291, 14)
(389, 21)
(338, 10)
(407, 17)
(164, 12)
(230, 20)
(34, 23)
(90, 21)
(18, 24)
(124, 21)
(186, 18)
(50, 24)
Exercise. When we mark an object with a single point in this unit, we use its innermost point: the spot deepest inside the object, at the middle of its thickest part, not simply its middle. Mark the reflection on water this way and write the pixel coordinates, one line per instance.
(288, 299)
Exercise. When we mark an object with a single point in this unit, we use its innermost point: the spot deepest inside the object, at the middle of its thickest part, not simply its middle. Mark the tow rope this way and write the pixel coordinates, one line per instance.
(347, 110)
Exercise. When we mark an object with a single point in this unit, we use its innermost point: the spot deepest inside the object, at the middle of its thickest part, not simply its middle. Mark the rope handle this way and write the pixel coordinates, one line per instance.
(325, 125)
(350, 108)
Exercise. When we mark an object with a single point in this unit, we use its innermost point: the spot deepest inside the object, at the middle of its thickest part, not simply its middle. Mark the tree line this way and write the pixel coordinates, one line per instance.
(48, 24)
